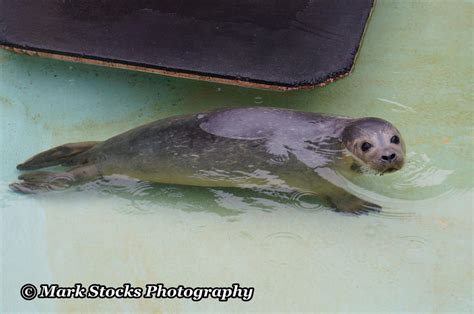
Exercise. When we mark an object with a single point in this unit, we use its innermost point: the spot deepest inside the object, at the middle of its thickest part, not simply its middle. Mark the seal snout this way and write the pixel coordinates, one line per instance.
(391, 162)
(389, 157)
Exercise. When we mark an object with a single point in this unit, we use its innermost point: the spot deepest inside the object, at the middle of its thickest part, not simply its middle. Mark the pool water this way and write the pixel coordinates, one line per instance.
(414, 69)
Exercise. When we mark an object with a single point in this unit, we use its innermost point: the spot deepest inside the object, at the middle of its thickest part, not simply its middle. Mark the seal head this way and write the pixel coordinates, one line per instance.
(375, 143)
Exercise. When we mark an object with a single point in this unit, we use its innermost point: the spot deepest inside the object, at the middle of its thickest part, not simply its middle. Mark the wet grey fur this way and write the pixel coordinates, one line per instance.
(245, 147)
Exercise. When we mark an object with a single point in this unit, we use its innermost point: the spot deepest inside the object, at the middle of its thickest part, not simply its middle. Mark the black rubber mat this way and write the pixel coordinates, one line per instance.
(277, 44)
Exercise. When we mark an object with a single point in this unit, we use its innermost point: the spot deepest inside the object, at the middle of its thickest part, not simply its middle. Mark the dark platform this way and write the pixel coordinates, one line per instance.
(277, 44)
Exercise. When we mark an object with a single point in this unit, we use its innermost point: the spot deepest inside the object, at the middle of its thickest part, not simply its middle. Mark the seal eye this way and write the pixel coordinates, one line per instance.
(395, 140)
(365, 146)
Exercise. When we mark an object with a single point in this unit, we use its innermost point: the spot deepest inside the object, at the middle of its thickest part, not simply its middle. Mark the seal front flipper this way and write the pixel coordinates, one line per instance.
(60, 155)
(346, 202)
(43, 181)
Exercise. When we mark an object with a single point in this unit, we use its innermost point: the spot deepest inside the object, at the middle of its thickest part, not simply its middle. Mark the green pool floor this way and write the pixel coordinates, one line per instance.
(414, 69)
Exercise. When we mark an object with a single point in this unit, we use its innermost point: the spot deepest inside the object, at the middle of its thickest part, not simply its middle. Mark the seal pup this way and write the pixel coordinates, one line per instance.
(244, 147)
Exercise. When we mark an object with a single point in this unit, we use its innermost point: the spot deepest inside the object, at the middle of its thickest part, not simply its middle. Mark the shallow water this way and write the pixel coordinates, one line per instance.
(414, 69)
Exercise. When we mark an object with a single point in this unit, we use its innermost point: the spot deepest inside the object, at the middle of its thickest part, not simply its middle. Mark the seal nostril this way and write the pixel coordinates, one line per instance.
(389, 157)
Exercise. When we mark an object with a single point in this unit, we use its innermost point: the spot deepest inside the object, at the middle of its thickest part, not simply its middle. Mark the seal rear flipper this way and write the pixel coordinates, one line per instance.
(43, 181)
(35, 187)
(60, 155)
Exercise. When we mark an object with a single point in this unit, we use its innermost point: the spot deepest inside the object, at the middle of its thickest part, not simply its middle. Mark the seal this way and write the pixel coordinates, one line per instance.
(244, 147)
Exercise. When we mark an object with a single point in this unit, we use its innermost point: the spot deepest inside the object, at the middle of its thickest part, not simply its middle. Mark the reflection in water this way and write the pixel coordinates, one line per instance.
(258, 100)
(400, 107)
(222, 201)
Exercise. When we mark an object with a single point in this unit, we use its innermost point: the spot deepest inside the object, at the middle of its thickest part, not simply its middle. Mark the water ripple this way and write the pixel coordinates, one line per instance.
(276, 243)
(420, 172)
(298, 199)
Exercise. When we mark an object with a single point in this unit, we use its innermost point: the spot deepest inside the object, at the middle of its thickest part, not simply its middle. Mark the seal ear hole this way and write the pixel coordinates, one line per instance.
(365, 146)
(395, 140)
